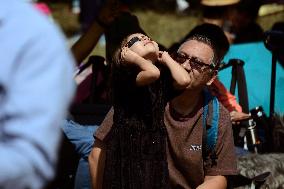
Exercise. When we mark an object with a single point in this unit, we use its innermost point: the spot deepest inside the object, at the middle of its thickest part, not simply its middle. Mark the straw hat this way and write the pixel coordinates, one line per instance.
(218, 2)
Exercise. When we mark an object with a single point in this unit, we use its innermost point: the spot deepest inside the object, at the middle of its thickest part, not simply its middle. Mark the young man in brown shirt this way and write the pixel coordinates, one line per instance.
(188, 167)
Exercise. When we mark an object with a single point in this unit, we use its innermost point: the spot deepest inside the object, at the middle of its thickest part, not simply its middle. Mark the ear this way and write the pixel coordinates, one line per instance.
(213, 77)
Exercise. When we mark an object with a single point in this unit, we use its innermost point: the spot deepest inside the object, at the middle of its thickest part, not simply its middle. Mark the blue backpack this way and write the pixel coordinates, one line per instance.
(210, 132)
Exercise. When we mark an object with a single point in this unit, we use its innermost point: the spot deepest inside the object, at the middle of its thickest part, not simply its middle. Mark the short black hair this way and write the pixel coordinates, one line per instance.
(213, 36)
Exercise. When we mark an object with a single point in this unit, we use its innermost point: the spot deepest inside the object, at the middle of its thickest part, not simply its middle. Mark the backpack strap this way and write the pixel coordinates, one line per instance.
(210, 133)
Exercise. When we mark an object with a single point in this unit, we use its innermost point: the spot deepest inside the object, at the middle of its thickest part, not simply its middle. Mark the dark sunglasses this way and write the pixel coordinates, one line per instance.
(194, 62)
(132, 41)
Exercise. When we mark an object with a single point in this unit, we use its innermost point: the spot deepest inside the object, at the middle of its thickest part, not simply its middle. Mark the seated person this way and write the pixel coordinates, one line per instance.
(185, 120)
(217, 88)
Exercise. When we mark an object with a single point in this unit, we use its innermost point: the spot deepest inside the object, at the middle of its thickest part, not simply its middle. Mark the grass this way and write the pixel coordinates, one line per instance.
(165, 28)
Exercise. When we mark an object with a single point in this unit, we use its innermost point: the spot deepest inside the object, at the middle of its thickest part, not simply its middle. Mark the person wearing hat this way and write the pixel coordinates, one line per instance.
(215, 12)
(236, 17)
(219, 2)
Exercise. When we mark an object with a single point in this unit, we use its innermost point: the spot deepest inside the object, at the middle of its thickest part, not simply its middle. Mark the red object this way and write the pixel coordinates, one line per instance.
(83, 90)
(42, 7)
(225, 97)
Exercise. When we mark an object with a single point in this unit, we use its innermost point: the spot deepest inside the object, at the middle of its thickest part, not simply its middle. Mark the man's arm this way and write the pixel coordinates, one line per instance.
(84, 46)
(97, 164)
(214, 182)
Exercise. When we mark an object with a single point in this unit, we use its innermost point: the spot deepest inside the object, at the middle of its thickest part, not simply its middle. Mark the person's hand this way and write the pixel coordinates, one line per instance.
(128, 56)
(237, 117)
(163, 56)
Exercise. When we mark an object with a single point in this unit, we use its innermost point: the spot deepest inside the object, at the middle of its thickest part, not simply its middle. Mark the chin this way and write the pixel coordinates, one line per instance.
(152, 55)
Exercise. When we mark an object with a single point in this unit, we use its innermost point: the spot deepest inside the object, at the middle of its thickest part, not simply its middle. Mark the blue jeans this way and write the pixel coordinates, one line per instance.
(241, 151)
(81, 136)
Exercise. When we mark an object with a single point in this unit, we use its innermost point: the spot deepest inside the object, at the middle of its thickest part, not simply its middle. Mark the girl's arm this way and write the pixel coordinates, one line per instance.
(179, 74)
(96, 161)
(211, 182)
(149, 72)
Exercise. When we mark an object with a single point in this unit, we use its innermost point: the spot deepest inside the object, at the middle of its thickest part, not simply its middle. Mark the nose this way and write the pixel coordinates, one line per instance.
(144, 38)
(186, 66)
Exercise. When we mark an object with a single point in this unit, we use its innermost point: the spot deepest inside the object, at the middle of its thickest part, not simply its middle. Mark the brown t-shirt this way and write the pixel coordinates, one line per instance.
(187, 167)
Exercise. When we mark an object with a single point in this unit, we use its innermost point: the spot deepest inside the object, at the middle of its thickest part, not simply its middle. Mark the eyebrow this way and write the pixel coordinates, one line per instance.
(189, 56)
(198, 59)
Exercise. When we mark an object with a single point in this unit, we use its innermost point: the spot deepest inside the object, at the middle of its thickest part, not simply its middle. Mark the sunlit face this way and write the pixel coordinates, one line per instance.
(142, 45)
(196, 58)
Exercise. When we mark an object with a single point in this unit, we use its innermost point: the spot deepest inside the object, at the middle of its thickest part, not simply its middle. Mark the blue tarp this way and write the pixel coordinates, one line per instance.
(258, 75)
